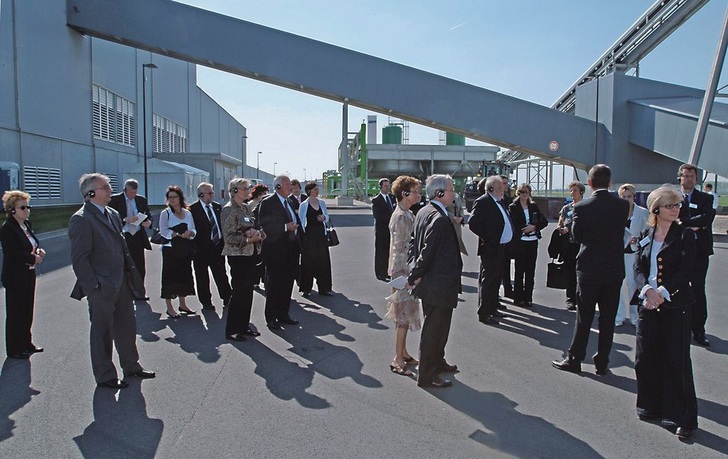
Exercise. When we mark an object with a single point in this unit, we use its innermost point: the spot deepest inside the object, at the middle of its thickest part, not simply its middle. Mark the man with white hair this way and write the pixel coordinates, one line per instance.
(492, 223)
(436, 271)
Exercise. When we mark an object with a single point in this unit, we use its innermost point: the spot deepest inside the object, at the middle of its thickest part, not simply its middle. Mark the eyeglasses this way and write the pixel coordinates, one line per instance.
(23, 207)
(450, 189)
(522, 192)
(677, 205)
(209, 192)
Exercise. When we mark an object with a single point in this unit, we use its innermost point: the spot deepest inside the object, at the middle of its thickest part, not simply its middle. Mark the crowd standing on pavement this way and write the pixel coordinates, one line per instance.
(647, 265)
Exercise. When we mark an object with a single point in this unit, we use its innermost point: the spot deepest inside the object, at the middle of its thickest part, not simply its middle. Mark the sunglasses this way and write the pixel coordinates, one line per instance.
(23, 207)
(677, 205)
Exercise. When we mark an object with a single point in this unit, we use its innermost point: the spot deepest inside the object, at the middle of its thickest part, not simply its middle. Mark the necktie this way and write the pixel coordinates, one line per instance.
(215, 231)
(131, 228)
(291, 234)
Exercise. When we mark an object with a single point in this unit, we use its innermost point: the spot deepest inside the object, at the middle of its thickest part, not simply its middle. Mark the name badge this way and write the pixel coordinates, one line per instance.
(246, 219)
(693, 205)
(645, 241)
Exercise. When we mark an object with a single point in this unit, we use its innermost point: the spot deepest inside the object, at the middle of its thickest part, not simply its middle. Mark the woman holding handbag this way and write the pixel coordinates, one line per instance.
(315, 258)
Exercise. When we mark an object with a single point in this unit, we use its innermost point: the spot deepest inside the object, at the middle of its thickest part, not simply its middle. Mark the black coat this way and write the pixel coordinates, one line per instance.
(699, 213)
(118, 203)
(536, 217)
(382, 213)
(203, 238)
(675, 263)
(278, 248)
(435, 252)
(18, 253)
(486, 220)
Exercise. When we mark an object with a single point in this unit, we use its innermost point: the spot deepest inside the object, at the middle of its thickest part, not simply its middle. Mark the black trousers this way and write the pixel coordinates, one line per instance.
(381, 253)
(278, 287)
(19, 305)
(525, 271)
(507, 285)
(663, 367)
(435, 331)
(699, 309)
(489, 279)
(572, 250)
(208, 258)
(136, 250)
(242, 270)
(315, 263)
(588, 296)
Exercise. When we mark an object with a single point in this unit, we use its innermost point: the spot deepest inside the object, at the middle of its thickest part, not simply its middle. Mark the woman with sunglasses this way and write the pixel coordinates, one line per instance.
(665, 258)
(529, 219)
(242, 249)
(21, 254)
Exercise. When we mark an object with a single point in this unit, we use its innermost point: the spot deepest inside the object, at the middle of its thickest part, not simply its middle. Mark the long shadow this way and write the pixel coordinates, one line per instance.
(15, 393)
(284, 379)
(148, 321)
(121, 427)
(329, 360)
(201, 334)
(507, 430)
(341, 306)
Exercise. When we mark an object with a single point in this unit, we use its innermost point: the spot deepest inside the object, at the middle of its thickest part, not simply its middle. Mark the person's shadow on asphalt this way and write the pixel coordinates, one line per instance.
(15, 393)
(121, 427)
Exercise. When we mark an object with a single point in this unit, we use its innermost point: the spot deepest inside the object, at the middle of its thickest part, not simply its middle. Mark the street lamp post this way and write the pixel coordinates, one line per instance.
(257, 167)
(144, 122)
(304, 174)
(274, 169)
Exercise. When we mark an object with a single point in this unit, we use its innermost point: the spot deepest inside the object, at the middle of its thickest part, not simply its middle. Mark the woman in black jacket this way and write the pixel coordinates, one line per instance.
(665, 257)
(21, 255)
(529, 219)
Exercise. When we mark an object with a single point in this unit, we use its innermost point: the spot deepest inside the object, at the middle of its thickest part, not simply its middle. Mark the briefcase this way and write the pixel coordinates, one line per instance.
(556, 277)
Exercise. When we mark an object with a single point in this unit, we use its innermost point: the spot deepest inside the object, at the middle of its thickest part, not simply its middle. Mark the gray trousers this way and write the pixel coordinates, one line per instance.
(113, 323)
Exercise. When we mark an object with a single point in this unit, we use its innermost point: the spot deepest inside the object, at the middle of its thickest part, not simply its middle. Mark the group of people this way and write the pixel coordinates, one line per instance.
(662, 251)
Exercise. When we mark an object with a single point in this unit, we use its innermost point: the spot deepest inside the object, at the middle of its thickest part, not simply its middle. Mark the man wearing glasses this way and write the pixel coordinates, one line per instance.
(209, 241)
(107, 277)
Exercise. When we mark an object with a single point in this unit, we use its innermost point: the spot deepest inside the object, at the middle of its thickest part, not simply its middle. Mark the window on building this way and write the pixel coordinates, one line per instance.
(168, 136)
(113, 117)
(42, 183)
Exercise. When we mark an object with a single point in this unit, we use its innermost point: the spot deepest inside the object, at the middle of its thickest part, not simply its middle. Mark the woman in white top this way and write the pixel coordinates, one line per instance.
(177, 225)
(635, 225)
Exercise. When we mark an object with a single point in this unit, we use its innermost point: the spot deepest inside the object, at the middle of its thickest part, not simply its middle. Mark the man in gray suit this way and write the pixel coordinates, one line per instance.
(105, 273)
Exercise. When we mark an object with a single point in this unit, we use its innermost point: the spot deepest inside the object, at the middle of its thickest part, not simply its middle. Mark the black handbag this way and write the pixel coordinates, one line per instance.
(556, 276)
(157, 237)
(333, 238)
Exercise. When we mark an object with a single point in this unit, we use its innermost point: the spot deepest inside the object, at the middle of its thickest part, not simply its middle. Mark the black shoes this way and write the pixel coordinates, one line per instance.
(208, 307)
(683, 433)
(114, 384)
(525, 304)
(288, 321)
(274, 326)
(34, 349)
(329, 293)
(144, 374)
(488, 320)
(601, 371)
(22, 356)
(384, 278)
(306, 294)
(237, 337)
(435, 384)
(447, 368)
(570, 306)
(497, 314)
(568, 364)
(250, 332)
(701, 340)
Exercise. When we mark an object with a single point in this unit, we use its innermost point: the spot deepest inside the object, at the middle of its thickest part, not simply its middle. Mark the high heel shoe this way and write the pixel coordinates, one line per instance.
(174, 315)
(400, 370)
(188, 312)
(411, 361)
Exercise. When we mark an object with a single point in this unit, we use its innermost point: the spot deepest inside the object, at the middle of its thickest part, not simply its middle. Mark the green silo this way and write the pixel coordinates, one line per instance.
(392, 135)
(454, 139)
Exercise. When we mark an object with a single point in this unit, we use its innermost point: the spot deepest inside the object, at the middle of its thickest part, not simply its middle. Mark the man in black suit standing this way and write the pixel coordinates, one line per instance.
(130, 204)
(507, 284)
(436, 276)
(106, 275)
(697, 213)
(296, 197)
(281, 249)
(382, 208)
(209, 242)
(599, 224)
(492, 223)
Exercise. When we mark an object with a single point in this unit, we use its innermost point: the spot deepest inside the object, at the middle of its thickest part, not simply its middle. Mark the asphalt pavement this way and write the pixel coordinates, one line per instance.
(324, 388)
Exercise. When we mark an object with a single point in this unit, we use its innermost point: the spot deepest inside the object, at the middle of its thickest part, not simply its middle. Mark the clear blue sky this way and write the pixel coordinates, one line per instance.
(533, 50)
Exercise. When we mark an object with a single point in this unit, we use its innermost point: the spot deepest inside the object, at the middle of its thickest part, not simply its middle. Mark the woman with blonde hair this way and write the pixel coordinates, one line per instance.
(21, 254)
(403, 307)
(665, 258)
(635, 225)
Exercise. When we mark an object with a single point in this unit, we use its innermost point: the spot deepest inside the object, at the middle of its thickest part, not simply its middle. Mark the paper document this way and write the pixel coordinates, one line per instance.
(140, 218)
(398, 282)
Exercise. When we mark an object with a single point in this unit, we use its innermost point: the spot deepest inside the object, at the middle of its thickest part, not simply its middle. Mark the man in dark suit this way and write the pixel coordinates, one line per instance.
(296, 197)
(130, 204)
(697, 213)
(106, 275)
(209, 242)
(493, 225)
(507, 284)
(599, 224)
(281, 249)
(436, 276)
(382, 208)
